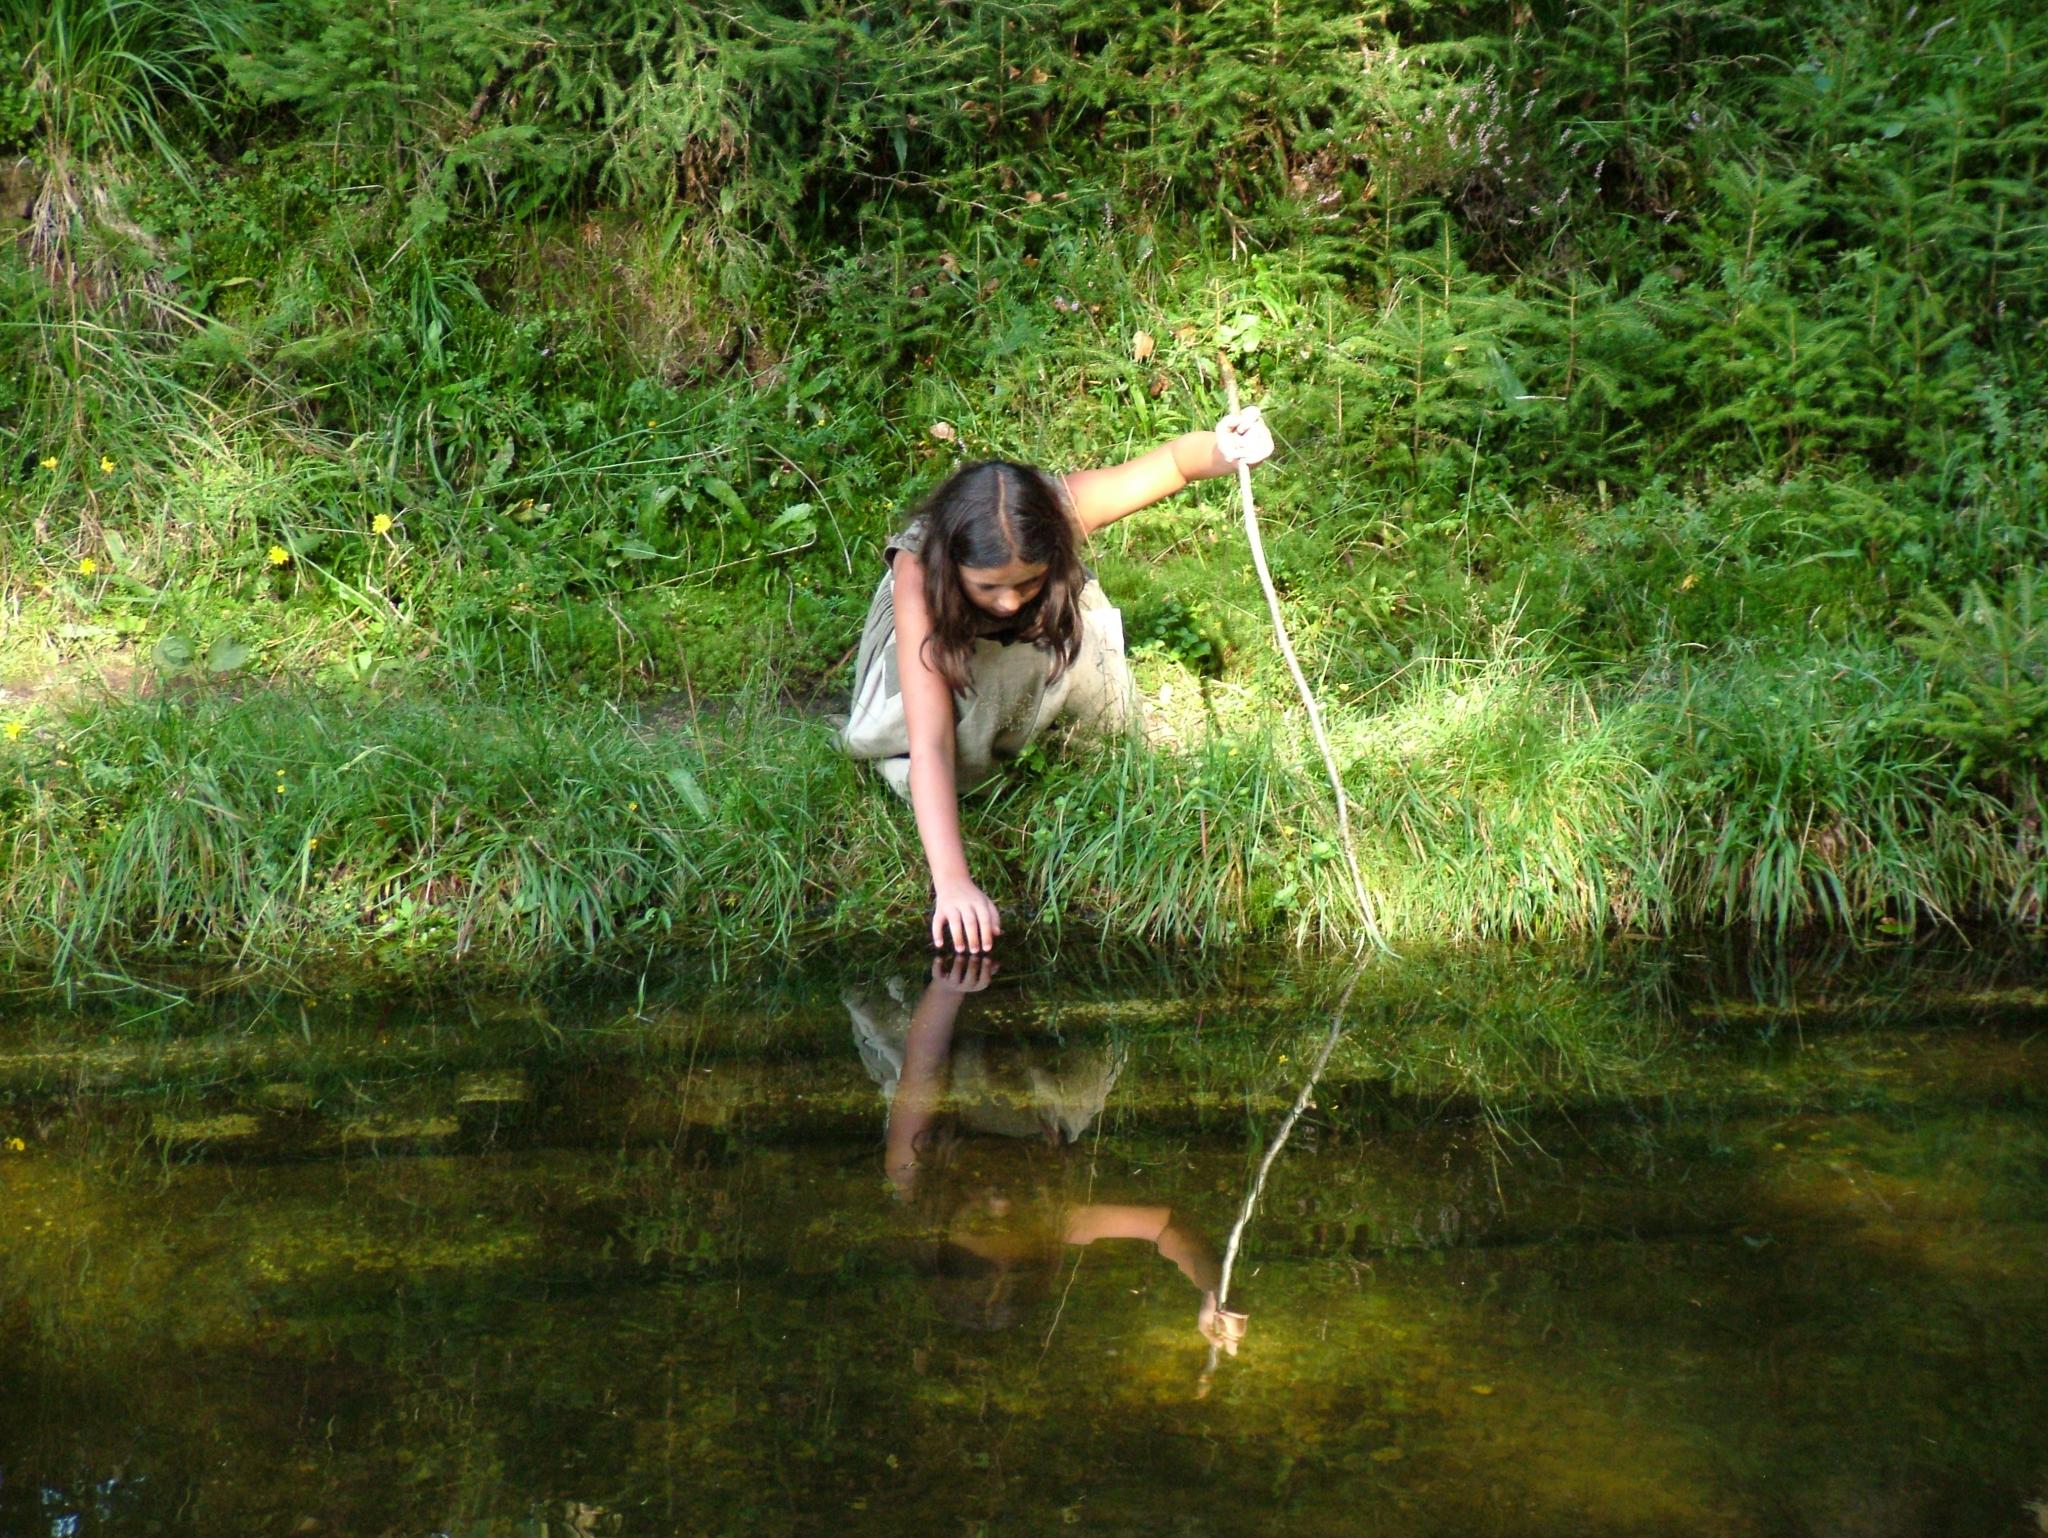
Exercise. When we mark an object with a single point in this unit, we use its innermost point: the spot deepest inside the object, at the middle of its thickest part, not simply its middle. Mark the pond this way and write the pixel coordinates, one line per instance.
(1637, 1240)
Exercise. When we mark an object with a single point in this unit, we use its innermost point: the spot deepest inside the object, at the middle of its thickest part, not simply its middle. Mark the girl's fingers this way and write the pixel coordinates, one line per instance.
(953, 929)
(970, 927)
(1243, 437)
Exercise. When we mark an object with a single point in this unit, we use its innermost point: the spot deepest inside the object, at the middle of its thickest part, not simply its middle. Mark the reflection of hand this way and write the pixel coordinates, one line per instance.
(1220, 1327)
(1242, 438)
(962, 974)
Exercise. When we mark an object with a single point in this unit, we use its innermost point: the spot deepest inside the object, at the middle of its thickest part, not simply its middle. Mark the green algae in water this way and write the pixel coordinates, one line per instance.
(1563, 1248)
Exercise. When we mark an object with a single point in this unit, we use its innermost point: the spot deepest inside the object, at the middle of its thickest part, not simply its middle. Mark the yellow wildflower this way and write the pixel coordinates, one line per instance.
(17, 1145)
(280, 787)
(49, 461)
(279, 556)
(106, 464)
(87, 566)
(14, 729)
(312, 843)
(381, 524)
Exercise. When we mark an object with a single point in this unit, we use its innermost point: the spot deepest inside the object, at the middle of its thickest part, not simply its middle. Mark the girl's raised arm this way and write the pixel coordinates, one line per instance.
(1102, 496)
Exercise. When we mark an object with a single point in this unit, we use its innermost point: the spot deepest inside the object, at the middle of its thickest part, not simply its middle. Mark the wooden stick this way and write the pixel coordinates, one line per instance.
(1315, 717)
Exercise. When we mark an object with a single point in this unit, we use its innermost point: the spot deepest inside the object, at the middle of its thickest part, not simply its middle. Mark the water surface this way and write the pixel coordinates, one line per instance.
(1646, 1241)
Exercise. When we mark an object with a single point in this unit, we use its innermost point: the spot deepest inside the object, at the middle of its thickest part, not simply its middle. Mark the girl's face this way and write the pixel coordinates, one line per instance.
(1003, 590)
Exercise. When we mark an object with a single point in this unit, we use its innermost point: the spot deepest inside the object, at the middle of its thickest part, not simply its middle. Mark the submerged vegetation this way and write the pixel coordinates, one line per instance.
(451, 443)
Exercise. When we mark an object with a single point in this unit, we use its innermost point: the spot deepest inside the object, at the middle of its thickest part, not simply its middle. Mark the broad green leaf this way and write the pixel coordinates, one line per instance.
(726, 495)
(687, 787)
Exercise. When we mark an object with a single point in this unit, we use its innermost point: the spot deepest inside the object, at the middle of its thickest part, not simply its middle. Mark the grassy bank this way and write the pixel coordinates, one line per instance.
(1660, 490)
(1493, 800)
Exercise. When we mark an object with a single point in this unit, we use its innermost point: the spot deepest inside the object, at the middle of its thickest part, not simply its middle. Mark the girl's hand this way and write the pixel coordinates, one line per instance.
(1242, 438)
(963, 918)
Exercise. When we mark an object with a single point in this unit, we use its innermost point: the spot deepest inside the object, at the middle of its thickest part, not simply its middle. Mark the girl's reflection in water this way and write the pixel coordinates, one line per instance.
(978, 1127)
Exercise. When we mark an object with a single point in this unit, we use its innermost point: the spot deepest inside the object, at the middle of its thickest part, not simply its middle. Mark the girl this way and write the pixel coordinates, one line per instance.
(986, 628)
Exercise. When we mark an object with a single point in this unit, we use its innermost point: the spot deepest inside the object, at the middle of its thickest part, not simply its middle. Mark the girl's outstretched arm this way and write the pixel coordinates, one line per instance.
(1103, 496)
(962, 916)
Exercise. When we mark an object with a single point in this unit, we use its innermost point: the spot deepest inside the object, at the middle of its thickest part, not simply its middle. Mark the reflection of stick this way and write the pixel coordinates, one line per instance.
(1308, 700)
(1308, 1088)
(1258, 1185)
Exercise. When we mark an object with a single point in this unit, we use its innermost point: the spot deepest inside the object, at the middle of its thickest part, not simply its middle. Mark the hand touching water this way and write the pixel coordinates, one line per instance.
(963, 919)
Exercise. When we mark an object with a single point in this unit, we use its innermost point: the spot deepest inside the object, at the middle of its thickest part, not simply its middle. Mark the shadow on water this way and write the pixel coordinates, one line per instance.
(1563, 1243)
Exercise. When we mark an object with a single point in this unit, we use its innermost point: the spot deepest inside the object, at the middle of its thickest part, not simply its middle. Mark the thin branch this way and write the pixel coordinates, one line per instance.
(1366, 911)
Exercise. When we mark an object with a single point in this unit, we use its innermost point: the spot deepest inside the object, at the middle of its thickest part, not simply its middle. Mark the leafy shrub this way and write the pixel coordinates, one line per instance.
(1179, 628)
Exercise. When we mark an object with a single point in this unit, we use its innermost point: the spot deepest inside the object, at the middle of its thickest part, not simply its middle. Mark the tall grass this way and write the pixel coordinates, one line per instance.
(114, 74)
(271, 825)
(1796, 796)
(1495, 799)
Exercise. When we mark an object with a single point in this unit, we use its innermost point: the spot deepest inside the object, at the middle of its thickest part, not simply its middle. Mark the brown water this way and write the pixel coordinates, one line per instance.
(1643, 1243)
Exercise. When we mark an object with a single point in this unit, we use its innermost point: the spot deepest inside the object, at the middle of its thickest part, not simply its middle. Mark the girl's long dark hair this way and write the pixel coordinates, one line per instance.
(990, 514)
